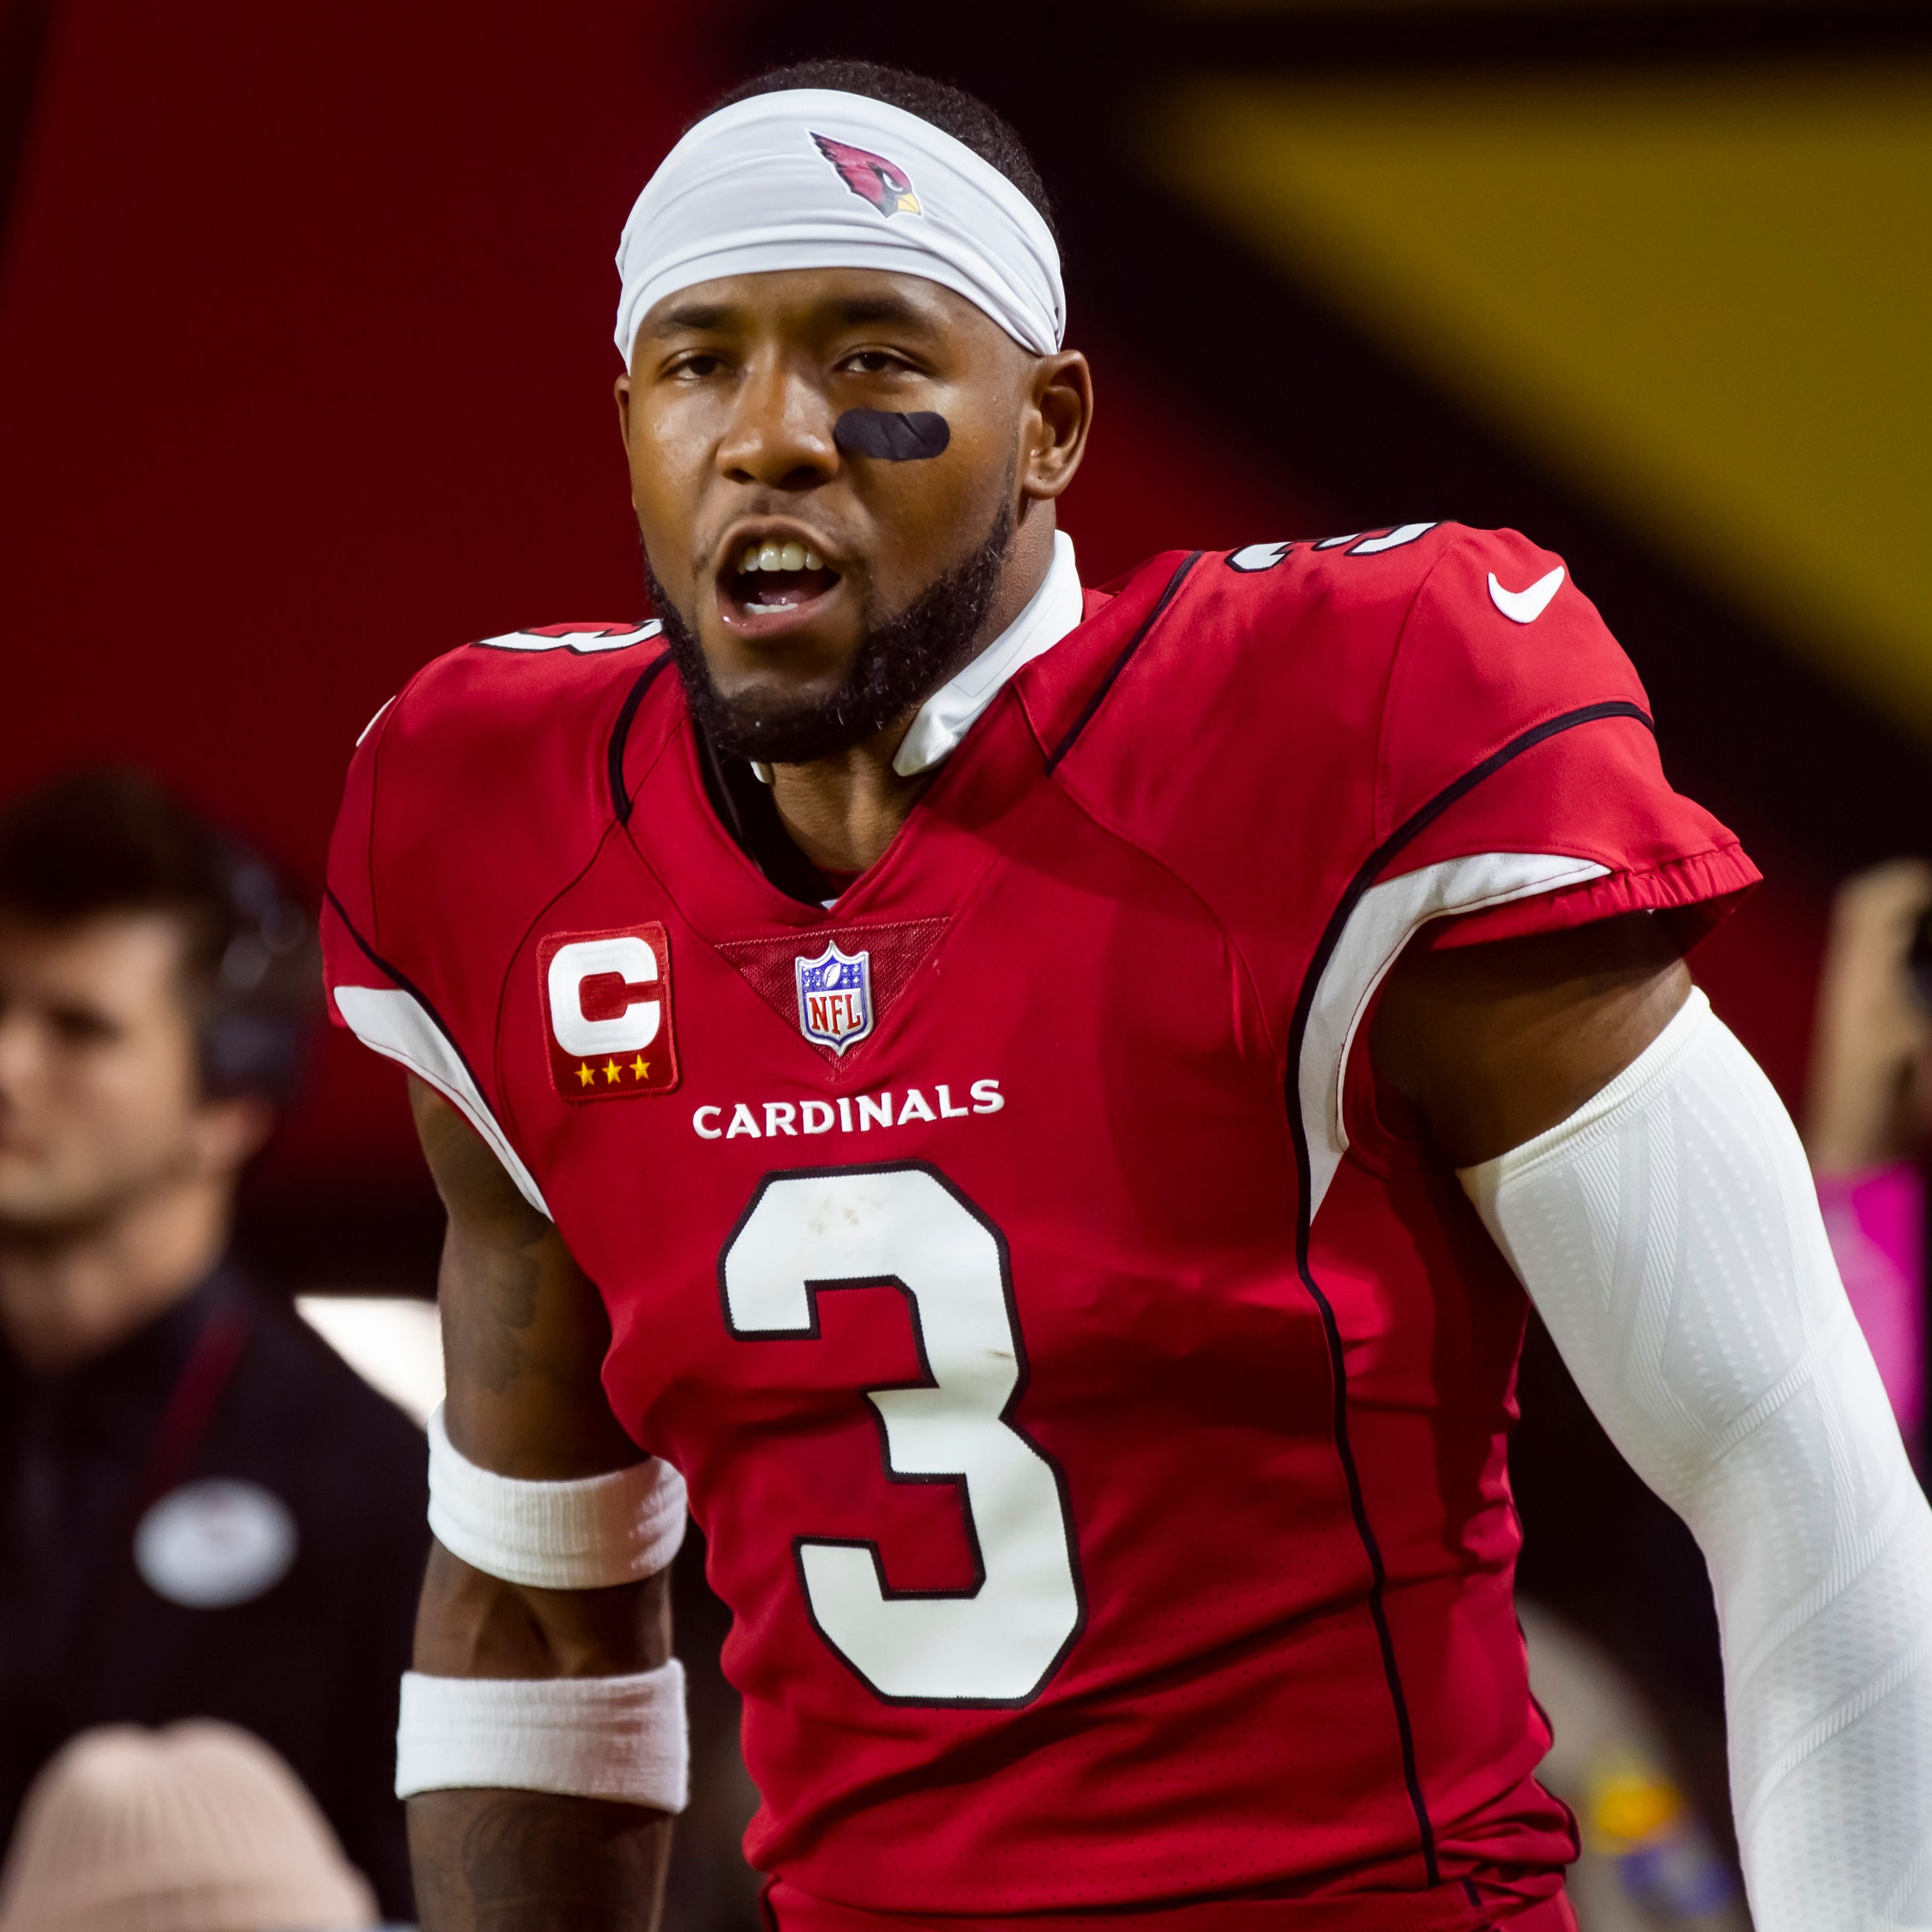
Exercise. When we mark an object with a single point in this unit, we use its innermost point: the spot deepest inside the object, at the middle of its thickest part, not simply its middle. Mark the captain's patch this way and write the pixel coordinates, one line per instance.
(607, 1006)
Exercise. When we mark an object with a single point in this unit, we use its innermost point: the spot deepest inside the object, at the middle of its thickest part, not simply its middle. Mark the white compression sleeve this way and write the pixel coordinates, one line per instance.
(583, 1535)
(619, 1738)
(1669, 1235)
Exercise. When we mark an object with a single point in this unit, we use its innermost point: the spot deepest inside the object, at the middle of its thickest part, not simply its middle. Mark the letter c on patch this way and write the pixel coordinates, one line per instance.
(614, 1016)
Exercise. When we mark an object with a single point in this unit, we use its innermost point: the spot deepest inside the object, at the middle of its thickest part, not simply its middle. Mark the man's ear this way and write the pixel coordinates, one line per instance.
(1063, 409)
(229, 1132)
(621, 389)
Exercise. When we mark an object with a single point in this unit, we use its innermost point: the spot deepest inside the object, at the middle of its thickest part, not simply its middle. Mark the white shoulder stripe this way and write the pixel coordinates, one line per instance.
(397, 1025)
(1384, 920)
(1403, 533)
(582, 642)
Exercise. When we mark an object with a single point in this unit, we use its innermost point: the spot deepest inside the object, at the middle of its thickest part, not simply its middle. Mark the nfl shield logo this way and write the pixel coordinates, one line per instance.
(835, 998)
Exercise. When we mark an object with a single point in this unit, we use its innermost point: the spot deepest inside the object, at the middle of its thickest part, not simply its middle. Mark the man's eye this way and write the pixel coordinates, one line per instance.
(76, 1026)
(697, 367)
(872, 362)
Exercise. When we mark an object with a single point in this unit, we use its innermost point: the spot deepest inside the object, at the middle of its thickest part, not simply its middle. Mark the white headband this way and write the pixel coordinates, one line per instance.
(815, 178)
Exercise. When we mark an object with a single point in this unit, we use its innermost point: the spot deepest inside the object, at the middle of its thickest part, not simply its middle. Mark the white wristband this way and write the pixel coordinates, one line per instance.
(625, 1738)
(585, 1535)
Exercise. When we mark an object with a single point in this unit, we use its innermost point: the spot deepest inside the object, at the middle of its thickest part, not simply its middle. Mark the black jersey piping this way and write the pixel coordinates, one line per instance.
(620, 732)
(1120, 664)
(1418, 822)
(408, 986)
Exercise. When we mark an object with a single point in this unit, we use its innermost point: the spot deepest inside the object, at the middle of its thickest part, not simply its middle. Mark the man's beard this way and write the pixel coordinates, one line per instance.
(900, 663)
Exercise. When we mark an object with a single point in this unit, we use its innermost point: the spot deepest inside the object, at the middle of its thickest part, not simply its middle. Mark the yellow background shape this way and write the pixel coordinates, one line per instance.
(1705, 297)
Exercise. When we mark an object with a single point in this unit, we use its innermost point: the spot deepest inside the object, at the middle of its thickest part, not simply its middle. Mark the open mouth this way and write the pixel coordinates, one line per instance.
(774, 579)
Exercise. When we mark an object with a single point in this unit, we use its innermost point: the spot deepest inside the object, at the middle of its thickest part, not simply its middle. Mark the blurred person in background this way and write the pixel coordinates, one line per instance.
(1870, 1115)
(199, 1827)
(203, 1513)
(1647, 1860)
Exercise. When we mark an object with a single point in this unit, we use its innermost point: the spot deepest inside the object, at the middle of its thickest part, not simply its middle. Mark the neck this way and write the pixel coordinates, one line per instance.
(66, 1298)
(843, 812)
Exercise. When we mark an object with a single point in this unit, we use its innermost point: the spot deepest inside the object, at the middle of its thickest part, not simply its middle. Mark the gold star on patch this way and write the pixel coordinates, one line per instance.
(585, 1077)
(640, 1067)
(613, 1072)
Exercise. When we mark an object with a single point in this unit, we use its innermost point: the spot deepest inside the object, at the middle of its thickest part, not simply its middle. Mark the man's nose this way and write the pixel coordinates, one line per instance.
(780, 433)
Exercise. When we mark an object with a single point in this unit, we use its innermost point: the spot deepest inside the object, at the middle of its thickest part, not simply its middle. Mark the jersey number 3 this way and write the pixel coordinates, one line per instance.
(907, 1227)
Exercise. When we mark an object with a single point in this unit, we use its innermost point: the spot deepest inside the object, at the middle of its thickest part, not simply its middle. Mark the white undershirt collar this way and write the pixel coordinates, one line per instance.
(1054, 609)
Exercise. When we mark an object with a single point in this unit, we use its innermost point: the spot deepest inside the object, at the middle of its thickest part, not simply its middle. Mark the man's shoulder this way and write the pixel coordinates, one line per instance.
(510, 692)
(1360, 570)
(1327, 616)
(1341, 608)
(1263, 720)
(497, 758)
(1301, 647)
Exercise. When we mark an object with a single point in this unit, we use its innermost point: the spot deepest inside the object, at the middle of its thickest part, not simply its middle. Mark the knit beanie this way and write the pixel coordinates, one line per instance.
(198, 1828)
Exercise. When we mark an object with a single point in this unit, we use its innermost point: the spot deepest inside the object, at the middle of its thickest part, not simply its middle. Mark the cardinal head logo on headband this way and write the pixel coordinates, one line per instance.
(870, 177)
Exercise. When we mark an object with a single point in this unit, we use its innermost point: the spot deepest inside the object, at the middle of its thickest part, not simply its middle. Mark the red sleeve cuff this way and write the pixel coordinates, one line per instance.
(1705, 886)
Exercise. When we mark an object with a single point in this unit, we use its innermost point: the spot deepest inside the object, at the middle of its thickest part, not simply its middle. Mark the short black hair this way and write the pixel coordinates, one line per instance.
(951, 109)
(108, 839)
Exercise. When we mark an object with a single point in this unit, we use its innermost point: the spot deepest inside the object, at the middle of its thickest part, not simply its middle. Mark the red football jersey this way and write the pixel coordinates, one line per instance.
(1094, 1397)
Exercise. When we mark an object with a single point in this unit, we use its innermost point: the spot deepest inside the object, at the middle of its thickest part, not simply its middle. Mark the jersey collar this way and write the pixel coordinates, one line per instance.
(1054, 610)
(945, 718)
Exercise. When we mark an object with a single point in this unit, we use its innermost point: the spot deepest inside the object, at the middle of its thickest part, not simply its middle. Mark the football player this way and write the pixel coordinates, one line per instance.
(1041, 1106)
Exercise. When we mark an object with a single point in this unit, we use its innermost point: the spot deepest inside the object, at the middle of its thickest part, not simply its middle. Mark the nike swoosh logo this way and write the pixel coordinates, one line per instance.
(1525, 607)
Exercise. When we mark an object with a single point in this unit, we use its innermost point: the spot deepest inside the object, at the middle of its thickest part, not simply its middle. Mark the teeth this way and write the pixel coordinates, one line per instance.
(776, 556)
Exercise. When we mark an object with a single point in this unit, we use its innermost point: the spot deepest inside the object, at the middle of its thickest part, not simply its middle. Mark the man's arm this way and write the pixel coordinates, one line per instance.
(1492, 1045)
(1636, 1167)
(524, 1336)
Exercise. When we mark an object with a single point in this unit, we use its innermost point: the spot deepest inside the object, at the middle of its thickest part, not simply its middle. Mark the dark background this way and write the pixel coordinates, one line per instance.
(305, 369)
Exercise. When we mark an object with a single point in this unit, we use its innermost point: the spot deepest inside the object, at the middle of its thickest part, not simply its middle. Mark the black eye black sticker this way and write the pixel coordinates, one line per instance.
(896, 436)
